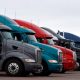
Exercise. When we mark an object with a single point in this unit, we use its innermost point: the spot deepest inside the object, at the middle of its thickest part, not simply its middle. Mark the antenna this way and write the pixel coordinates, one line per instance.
(63, 34)
(15, 15)
(5, 11)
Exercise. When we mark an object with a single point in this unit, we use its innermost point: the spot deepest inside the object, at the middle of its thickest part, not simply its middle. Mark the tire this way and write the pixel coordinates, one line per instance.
(14, 68)
(44, 72)
(63, 71)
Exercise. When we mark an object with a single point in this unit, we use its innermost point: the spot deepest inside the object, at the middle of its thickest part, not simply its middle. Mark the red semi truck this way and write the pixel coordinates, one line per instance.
(69, 57)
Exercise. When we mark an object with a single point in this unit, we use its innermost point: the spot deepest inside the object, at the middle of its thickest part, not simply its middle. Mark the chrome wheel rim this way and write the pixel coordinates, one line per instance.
(13, 68)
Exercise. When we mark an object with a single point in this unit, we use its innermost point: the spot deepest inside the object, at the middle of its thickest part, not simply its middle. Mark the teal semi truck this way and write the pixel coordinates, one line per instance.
(51, 57)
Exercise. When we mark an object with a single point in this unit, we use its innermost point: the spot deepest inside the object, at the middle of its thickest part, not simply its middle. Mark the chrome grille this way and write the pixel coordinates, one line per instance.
(74, 56)
(38, 56)
(60, 59)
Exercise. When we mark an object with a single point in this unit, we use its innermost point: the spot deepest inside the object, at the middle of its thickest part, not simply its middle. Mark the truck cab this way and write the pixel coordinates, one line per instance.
(17, 58)
(51, 57)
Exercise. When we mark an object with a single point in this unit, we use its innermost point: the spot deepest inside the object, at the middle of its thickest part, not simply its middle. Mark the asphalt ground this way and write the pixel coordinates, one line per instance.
(72, 75)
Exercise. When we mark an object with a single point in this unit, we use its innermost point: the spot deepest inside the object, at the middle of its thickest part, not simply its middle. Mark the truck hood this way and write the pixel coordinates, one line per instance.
(47, 50)
(66, 52)
(24, 48)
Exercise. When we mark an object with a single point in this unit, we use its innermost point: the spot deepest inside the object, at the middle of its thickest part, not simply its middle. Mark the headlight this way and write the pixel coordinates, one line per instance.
(74, 56)
(53, 61)
(29, 60)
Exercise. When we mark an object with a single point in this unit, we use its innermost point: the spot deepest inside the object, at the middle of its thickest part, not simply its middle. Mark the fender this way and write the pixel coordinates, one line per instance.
(14, 54)
(46, 58)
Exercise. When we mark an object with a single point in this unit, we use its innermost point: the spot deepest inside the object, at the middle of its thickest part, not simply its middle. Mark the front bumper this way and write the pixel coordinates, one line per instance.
(70, 65)
(33, 67)
(55, 67)
(77, 65)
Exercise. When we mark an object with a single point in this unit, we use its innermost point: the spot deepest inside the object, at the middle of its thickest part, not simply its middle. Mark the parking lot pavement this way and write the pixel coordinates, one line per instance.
(74, 75)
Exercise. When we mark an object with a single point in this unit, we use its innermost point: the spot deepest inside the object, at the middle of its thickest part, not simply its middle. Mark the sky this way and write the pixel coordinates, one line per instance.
(63, 15)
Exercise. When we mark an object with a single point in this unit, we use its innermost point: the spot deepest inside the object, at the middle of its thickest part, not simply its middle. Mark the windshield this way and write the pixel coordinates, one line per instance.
(58, 36)
(50, 41)
(40, 40)
(7, 34)
(32, 38)
(45, 40)
(17, 36)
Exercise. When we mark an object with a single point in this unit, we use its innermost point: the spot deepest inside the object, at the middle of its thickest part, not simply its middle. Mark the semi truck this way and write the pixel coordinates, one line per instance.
(17, 58)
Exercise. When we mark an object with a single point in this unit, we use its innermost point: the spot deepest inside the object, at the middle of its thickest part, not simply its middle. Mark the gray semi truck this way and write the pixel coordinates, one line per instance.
(17, 58)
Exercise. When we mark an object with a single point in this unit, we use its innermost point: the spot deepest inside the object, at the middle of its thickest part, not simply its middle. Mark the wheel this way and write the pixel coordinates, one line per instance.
(44, 72)
(14, 67)
(63, 71)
